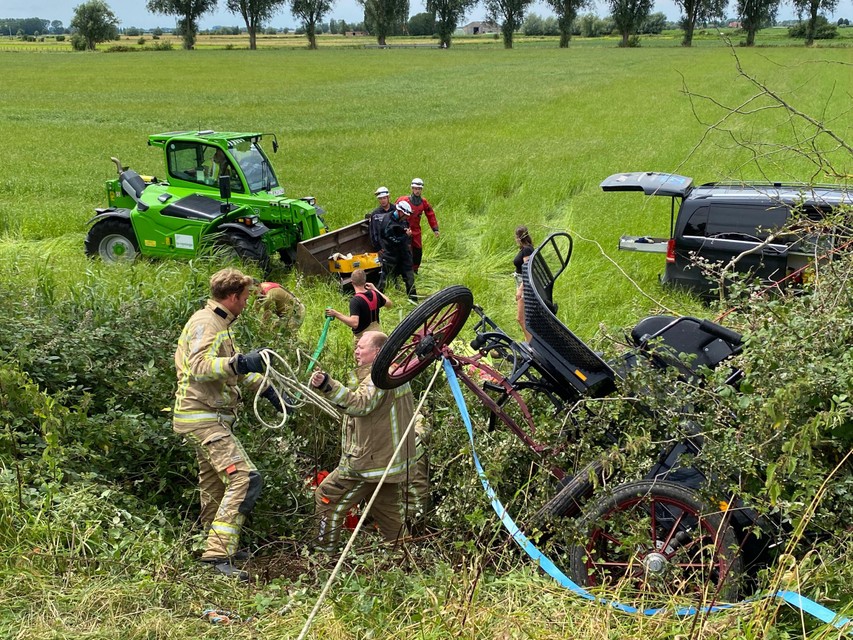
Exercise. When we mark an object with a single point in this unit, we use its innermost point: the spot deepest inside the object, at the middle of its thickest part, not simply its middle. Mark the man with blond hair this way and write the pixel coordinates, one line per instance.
(374, 423)
(209, 369)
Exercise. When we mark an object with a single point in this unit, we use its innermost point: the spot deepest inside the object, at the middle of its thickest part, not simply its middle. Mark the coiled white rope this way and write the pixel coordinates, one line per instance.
(286, 384)
(364, 513)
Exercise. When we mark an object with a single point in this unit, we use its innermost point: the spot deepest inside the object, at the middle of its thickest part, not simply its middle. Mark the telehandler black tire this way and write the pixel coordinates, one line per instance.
(113, 240)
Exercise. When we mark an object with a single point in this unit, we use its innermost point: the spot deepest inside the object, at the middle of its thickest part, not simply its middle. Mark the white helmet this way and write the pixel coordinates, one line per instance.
(417, 182)
(404, 208)
(382, 192)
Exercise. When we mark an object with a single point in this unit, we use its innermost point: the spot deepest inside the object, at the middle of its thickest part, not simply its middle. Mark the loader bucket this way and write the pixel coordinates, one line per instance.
(312, 256)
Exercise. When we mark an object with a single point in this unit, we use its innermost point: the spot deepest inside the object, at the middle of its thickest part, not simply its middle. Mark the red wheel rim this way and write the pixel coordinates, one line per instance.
(426, 343)
(665, 553)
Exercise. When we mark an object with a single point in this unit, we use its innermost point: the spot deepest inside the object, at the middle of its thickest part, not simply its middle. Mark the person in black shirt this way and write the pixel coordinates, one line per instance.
(525, 250)
(363, 307)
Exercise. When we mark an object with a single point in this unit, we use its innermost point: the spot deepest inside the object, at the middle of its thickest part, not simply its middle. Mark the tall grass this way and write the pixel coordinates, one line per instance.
(501, 138)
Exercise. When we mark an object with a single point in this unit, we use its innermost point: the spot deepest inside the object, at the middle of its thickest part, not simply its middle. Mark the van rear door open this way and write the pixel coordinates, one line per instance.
(651, 184)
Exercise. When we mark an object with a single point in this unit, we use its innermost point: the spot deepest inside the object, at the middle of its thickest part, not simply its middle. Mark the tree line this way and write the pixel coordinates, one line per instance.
(94, 21)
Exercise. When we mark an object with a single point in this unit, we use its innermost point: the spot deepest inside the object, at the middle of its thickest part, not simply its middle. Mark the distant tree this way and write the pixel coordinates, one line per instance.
(188, 13)
(384, 17)
(310, 12)
(95, 22)
(628, 16)
(422, 24)
(56, 26)
(754, 15)
(823, 30)
(448, 14)
(655, 23)
(812, 9)
(533, 25)
(566, 12)
(157, 32)
(509, 14)
(254, 14)
(131, 31)
(697, 11)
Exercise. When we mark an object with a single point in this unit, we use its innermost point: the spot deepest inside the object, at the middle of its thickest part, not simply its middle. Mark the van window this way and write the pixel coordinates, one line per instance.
(698, 223)
(745, 221)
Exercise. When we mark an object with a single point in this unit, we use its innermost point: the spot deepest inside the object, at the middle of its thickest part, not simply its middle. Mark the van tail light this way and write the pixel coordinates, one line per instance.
(670, 251)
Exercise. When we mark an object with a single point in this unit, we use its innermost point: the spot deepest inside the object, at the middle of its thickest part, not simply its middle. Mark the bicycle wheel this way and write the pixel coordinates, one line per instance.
(658, 541)
(418, 339)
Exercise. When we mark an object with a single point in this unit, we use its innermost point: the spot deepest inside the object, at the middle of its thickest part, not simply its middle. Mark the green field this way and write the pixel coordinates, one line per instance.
(500, 138)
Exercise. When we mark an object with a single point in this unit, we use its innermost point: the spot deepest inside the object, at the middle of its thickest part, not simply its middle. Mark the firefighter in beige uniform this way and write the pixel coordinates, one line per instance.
(209, 369)
(374, 423)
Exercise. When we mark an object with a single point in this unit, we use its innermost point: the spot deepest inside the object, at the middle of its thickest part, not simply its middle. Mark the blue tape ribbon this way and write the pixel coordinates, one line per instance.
(791, 597)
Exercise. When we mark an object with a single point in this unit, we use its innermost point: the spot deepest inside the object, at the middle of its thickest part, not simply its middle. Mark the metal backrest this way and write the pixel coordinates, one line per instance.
(551, 340)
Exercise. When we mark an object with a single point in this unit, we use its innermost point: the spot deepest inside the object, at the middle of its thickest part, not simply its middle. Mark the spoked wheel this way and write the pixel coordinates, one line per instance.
(418, 339)
(658, 541)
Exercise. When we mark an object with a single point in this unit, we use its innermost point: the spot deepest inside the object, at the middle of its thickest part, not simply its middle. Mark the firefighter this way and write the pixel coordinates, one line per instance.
(363, 307)
(275, 299)
(374, 422)
(419, 207)
(209, 368)
(397, 250)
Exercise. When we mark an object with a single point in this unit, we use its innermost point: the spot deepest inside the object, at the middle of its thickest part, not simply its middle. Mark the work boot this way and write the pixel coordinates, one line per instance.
(224, 566)
(241, 556)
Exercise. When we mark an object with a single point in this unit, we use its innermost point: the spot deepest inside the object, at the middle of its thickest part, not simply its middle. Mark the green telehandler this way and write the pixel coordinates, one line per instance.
(220, 193)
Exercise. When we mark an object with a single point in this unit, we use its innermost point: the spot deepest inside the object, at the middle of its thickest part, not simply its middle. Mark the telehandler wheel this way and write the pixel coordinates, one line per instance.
(245, 248)
(113, 240)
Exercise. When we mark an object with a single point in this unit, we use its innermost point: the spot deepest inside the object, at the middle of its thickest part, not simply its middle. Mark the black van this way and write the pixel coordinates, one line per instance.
(719, 221)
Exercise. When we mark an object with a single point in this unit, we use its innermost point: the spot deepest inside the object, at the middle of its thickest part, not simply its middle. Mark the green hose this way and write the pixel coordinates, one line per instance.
(320, 344)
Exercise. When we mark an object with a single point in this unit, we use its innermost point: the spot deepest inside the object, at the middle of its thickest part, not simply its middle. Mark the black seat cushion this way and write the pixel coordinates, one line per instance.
(194, 207)
(668, 337)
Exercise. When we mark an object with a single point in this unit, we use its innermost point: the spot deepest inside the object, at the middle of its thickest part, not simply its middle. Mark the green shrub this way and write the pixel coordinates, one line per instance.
(78, 42)
(823, 29)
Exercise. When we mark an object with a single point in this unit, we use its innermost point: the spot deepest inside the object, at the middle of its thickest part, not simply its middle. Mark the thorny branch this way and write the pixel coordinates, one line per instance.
(808, 132)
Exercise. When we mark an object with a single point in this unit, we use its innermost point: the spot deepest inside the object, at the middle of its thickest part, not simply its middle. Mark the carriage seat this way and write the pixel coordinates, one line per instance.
(556, 348)
(685, 342)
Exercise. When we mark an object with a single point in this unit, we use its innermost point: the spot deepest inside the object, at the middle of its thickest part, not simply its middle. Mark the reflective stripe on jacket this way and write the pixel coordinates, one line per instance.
(207, 382)
(373, 426)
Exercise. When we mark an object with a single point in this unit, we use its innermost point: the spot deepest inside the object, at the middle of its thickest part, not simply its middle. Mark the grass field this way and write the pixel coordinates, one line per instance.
(500, 138)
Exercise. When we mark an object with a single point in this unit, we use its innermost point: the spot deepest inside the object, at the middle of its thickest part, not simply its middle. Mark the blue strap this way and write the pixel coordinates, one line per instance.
(545, 563)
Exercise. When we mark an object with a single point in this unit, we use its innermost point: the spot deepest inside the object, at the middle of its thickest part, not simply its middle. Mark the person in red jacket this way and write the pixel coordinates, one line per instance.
(419, 207)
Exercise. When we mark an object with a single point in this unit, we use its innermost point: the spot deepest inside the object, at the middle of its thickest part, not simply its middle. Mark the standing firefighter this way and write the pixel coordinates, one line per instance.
(397, 250)
(209, 369)
(374, 423)
(419, 207)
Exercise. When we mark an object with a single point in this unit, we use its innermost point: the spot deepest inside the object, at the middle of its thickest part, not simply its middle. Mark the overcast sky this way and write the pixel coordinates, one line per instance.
(132, 13)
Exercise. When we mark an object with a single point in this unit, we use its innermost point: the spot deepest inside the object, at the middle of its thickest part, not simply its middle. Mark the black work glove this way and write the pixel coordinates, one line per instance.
(272, 396)
(251, 362)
